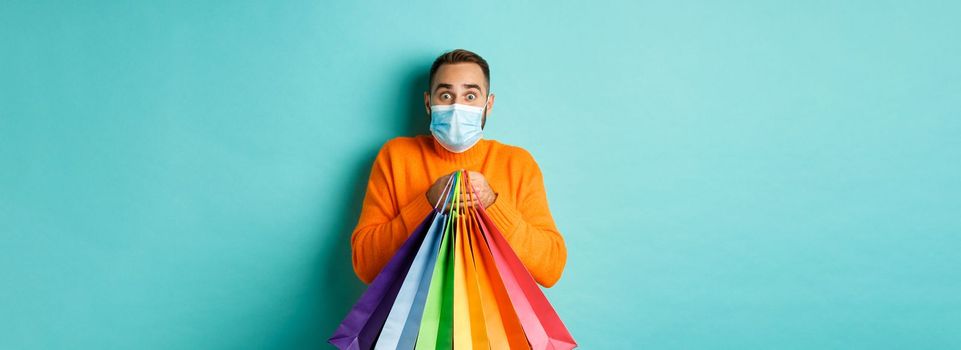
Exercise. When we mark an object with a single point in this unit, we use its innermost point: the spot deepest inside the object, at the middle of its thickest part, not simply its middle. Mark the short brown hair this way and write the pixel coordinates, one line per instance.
(459, 56)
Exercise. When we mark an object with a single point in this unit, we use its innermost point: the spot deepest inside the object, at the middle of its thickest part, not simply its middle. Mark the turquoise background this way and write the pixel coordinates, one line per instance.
(745, 175)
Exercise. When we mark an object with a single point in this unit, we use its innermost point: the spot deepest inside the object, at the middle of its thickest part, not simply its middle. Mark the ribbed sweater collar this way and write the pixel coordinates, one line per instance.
(470, 156)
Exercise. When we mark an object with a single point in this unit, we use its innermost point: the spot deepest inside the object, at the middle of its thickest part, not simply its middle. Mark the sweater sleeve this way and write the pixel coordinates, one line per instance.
(530, 230)
(384, 224)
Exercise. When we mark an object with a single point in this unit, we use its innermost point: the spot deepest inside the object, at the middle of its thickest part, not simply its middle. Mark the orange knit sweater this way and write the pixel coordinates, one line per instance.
(396, 202)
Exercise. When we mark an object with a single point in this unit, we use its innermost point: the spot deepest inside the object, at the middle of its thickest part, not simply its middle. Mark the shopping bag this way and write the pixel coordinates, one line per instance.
(360, 327)
(455, 282)
(436, 323)
(408, 306)
(503, 327)
(436, 329)
(402, 324)
(470, 327)
(542, 326)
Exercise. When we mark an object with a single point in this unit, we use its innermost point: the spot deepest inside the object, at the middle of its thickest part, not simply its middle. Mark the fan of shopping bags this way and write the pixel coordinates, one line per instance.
(455, 282)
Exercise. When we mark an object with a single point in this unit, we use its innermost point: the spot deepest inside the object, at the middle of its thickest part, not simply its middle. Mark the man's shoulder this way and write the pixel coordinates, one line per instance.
(402, 144)
(512, 152)
(509, 148)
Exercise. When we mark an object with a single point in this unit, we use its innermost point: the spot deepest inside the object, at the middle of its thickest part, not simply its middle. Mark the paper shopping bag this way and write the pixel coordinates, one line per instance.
(542, 326)
(403, 321)
(360, 328)
(503, 327)
(435, 329)
(455, 283)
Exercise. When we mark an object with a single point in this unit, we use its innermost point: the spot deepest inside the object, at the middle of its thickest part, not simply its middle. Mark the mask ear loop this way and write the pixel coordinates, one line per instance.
(486, 103)
(445, 193)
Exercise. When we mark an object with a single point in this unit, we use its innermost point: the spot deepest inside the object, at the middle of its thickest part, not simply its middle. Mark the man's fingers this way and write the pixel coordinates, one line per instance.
(463, 204)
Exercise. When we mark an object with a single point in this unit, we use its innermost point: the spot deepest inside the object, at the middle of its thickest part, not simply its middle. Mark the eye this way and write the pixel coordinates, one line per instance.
(445, 96)
(471, 97)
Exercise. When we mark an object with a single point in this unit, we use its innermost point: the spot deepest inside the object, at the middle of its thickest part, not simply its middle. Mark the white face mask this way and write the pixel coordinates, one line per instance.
(457, 127)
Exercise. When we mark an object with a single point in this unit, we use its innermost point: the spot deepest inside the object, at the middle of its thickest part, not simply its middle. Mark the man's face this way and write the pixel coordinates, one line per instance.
(461, 83)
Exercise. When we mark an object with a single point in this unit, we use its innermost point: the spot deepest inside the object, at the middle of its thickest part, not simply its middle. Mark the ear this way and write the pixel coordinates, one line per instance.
(490, 107)
(427, 103)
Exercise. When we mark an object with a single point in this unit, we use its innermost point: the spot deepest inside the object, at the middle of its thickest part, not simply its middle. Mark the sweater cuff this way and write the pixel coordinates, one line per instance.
(505, 216)
(415, 212)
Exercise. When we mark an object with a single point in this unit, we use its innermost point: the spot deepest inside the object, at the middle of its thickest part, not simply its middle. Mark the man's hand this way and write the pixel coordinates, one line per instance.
(482, 190)
(436, 190)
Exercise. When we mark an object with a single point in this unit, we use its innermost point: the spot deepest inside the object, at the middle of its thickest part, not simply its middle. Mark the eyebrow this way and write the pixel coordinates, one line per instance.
(466, 86)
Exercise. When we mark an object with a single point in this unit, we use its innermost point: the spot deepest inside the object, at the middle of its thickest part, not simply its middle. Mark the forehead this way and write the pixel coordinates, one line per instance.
(458, 74)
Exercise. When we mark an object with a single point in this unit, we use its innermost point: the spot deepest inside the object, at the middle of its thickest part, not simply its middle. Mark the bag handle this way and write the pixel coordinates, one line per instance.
(444, 193)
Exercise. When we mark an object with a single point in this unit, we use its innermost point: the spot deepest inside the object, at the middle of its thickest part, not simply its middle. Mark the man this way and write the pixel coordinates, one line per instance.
(410, 173)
